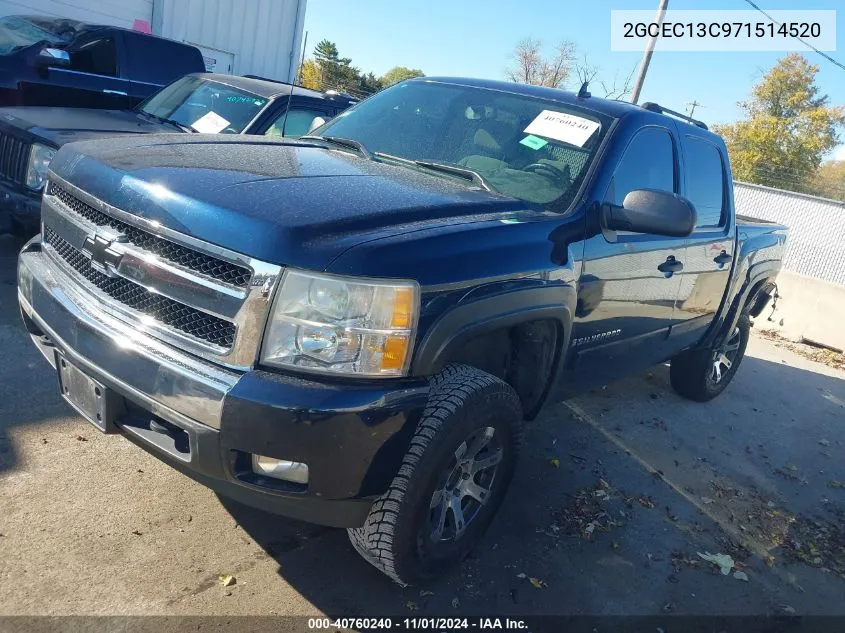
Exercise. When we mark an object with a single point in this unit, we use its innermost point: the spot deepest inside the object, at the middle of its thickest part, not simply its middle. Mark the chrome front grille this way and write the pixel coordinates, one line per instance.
(14, 156)
(202, 298)
(181, 256)
(192, 322)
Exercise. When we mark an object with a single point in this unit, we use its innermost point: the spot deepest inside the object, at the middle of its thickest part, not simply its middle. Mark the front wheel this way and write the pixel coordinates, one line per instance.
(703, 374)
(452, 479)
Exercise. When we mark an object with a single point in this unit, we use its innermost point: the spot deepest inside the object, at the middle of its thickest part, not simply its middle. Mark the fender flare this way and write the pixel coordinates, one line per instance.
(475, 318)
(756, 277)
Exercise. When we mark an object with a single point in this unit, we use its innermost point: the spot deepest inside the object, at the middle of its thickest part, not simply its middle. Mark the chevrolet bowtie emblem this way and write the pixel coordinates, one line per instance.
(100, 250)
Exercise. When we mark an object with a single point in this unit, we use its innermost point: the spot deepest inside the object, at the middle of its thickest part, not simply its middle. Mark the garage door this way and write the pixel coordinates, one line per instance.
(113, 12)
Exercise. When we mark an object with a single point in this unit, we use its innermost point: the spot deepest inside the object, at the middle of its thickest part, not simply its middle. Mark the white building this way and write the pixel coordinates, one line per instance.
(240, 37)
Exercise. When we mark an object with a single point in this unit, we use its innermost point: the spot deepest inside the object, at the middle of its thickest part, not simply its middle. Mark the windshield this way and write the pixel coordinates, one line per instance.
(530, 148)
(19, 32)
(207, 106)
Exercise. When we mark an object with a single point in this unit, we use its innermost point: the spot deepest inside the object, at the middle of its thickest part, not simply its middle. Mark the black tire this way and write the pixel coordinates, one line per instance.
(464, 403)
(692, 373)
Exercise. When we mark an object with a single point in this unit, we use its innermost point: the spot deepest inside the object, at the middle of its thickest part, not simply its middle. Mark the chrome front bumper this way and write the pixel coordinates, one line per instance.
(175, 386)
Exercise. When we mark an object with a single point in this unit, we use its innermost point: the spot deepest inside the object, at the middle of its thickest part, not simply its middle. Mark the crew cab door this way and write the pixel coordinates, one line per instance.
(709, 251)
(625, 299)
(93, 79)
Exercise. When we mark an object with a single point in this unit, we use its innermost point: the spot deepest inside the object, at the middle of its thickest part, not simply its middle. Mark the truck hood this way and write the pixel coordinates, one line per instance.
(58, 126)
(281, 201)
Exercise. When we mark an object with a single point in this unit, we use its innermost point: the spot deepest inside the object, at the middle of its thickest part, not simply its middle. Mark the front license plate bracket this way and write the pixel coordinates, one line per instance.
(92, 400)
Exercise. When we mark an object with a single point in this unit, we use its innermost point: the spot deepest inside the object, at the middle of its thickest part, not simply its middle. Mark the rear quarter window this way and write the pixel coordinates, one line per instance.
(705, 181)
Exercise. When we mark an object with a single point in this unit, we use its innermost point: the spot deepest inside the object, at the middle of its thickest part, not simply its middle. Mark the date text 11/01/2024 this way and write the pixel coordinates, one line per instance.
(421, 623)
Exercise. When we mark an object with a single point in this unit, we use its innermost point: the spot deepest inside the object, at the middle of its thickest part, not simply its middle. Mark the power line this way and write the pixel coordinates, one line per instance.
(808, 45)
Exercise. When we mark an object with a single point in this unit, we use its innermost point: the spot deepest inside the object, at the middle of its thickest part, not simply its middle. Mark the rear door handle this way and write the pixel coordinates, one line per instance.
(671, 266)
(723, 258)
(114, 92)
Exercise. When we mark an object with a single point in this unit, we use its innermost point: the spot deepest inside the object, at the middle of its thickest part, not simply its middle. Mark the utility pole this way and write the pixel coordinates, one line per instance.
(692, 106)
(649, 49)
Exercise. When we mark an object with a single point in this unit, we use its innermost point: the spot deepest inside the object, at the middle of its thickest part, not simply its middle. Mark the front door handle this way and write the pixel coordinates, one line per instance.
(723, 258)
(671, 266)
(114, 92)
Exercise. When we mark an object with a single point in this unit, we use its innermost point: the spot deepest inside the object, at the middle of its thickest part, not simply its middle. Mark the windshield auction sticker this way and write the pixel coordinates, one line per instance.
(559, 126)
(210, 123)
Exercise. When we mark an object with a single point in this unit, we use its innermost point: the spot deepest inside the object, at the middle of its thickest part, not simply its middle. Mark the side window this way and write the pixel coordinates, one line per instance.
(97, 56)
(297, 124)
(648, 163)
(705, 181)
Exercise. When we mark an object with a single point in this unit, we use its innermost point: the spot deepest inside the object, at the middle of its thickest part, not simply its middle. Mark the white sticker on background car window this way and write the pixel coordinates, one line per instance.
(210, 123)
(559, 126)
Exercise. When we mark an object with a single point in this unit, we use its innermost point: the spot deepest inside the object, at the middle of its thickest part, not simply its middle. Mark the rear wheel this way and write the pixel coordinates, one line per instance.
(702, 375)
(452, 480)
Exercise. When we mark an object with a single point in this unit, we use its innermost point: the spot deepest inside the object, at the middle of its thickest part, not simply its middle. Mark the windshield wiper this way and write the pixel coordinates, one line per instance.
(343, 142)
(182, 126)
(453, 170)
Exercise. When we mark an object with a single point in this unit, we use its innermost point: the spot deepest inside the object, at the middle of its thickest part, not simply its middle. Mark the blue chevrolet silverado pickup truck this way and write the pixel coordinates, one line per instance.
(351, 328)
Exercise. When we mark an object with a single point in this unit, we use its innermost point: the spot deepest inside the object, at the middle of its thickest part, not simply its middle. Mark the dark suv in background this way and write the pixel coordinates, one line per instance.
(199, 102)
(59, 62)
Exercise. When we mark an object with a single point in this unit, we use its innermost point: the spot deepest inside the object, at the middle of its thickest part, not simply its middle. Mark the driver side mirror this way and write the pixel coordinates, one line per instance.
(55, 57)
(651, 211)
(316, 122)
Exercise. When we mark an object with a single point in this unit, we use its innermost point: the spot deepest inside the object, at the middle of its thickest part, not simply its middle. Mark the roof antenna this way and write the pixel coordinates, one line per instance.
(290, 101)
(583, 93)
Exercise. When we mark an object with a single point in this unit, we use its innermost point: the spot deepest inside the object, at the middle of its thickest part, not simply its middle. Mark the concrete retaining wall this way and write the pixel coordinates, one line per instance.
(808, 309)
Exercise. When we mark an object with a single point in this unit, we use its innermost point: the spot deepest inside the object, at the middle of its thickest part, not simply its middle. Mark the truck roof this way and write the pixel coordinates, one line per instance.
(610, 107)
(77, 26)
(267, 88)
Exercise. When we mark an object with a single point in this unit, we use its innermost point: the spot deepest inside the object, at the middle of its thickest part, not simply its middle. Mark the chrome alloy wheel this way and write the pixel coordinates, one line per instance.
(464, 485)
(724, 358)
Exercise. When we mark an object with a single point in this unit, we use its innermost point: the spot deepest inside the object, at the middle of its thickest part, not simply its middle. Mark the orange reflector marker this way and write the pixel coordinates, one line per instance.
(403, 308)
(395, 350)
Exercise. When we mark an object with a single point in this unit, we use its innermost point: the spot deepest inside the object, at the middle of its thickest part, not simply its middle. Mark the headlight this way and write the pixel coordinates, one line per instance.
(342, 325)
(39, 160)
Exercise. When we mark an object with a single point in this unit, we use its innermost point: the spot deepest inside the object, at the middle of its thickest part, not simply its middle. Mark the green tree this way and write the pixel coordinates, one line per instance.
(336, 72)
(830, 180)
(788, 129)
(369, 84)
(400, 73)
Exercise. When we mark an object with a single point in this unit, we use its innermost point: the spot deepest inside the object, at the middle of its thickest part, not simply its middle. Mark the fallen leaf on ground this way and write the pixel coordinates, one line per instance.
(522, 576)
(455, 603)
(835, 484)
(537, 583)
(227, 580)
(646, 502)
(425, 593)
(411, 605)
(824, 442)
(769, 560)
(136, 532)
(741, 575)
(724, 562)
(555, 462)
(706, 500)
(81, 438)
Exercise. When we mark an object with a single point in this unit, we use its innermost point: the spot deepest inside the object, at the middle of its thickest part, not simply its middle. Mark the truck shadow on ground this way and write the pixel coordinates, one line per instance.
(28, 387)
(654, 456)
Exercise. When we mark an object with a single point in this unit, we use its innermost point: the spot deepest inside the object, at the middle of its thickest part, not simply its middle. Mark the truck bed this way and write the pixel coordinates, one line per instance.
(747, 220)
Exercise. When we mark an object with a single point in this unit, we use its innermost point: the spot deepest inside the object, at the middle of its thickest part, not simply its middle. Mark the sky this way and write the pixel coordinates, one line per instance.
(471, 38)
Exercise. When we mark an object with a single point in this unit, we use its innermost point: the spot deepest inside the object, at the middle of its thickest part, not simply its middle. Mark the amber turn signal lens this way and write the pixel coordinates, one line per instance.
(403, 308)
(395, 350)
